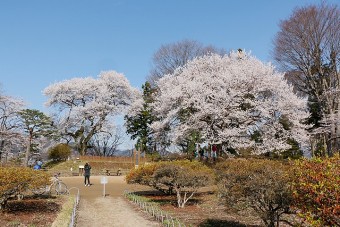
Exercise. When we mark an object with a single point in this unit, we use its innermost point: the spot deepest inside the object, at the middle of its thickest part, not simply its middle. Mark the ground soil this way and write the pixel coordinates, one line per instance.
(204, 210)
(30, 211)
(94, 209)
(114, 210)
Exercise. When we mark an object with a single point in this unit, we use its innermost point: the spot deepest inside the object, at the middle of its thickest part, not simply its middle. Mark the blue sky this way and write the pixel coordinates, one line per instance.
(42, 42)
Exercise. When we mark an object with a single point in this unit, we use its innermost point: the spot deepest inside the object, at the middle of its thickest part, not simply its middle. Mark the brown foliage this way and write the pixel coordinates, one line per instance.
(260, 184)
(142, 175)
(16, 180)
(183, 177)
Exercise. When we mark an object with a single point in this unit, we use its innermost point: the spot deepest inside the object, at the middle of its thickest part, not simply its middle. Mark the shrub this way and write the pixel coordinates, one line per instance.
(143, 175)
(16, 180)
(316, 190)
(59, 152)
(260, 184)
(183, 177)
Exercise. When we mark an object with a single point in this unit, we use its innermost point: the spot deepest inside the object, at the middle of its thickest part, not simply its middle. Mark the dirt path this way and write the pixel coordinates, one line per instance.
(111, 210)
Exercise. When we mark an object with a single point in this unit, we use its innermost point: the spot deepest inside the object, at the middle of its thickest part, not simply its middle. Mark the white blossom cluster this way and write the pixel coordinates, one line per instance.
(10, 131)
(228, 99)
(90, 102)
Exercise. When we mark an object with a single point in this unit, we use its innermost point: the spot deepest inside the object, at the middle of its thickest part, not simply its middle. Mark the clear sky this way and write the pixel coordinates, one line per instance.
(46, 41)
(42, 42)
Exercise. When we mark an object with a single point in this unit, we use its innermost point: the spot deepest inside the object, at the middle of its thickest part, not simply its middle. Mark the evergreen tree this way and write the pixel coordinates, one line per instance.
(35, 124)
(138, 125)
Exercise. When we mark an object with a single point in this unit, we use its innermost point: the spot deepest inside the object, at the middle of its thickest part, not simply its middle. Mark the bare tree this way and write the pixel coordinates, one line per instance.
(308, 46)
(106, 143)
(174, 55)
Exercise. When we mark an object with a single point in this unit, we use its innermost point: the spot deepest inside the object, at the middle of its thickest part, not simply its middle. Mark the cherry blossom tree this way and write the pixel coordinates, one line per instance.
(85, 106)
(236, 100)
(10, 133)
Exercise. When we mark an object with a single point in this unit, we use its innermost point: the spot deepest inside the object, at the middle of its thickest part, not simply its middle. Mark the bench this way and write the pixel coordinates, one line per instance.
(109, 172)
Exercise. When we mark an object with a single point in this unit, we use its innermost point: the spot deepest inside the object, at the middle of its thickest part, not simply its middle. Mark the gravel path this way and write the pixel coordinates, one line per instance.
(111, 210)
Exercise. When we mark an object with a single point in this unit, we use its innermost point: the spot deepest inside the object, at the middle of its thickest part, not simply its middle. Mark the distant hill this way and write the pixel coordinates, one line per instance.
(127, 153)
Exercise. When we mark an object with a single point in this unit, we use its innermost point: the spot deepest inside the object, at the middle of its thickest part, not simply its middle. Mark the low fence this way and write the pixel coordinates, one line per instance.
(118, 159)
(75, 208)
(154, 210)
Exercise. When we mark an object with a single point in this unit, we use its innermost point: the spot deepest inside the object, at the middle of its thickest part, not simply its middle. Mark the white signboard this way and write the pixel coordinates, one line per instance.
(103, 180)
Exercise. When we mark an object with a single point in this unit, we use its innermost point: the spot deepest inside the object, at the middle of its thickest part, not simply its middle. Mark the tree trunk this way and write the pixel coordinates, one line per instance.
(337, 140)
(325, 147)
(82, 140)
(2, 142)
(179, 199)
(333, 132)
(82, 148)
(3, 204)
(271, 221)
(28, 150)
(312, 142)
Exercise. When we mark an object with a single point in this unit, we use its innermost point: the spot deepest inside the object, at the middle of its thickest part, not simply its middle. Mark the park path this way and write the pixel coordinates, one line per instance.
(113, 210)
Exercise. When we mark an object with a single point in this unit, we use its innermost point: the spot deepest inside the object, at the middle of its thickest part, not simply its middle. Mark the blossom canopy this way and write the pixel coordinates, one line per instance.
(233, 99)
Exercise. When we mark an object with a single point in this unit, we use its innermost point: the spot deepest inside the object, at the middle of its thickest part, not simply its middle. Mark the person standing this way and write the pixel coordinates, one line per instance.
(87, 173)
(205, 153)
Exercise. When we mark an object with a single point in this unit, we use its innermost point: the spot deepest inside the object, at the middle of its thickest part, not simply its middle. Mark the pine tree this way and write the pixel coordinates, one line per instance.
(35, 124)
(138, 125)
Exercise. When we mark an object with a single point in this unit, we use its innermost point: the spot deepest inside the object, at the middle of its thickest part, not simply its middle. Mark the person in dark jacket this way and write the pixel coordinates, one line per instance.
(87, 173)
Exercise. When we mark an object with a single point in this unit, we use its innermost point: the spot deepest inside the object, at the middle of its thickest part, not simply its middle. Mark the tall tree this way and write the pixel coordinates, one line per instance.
(308, 46)
(165, 61)
(170, 57)
(235, 100)
(86, 106)
(10, 133)
(35, 124)
(139, 119)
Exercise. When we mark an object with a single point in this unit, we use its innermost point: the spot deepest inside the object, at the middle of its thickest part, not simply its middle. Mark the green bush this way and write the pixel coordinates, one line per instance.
(316, 190)
(59, 152)
(260, 184)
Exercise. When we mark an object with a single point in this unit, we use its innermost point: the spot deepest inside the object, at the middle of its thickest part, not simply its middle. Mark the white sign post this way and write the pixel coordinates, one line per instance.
(103, 181)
